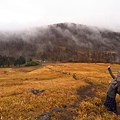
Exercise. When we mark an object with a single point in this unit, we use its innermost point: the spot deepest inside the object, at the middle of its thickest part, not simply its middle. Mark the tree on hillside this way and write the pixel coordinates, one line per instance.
(4, 61)
(21, 60)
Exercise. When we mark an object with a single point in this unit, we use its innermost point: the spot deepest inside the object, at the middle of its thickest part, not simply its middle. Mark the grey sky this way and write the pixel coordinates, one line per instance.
(17, 14)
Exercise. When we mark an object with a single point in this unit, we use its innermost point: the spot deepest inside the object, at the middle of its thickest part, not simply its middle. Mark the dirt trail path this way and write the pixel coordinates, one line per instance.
(71, 111)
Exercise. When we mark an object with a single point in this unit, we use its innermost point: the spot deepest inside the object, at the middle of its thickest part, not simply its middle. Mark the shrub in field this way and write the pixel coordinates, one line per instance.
(31, 63)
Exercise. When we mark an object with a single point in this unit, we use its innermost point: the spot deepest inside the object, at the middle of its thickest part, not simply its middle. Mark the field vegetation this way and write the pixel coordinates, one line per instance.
(78, 89)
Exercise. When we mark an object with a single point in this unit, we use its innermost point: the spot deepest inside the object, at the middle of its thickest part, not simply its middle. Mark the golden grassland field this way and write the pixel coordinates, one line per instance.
(80, 86)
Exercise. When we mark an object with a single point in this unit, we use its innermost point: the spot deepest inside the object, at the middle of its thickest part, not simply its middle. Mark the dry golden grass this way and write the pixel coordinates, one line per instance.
(88, 91)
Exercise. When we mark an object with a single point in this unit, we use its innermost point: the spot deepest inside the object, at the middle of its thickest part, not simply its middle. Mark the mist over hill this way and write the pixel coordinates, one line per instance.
(63, 42)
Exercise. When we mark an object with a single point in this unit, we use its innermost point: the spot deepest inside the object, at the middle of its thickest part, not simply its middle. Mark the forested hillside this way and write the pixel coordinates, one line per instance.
(64, 42)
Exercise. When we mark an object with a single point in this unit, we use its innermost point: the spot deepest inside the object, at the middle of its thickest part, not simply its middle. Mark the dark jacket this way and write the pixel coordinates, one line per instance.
(112, 90)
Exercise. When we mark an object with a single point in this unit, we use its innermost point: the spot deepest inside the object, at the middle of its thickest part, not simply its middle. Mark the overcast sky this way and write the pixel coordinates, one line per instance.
(17, 14)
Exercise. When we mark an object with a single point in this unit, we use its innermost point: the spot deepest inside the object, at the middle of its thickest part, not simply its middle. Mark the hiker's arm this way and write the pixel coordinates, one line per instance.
(110, 71)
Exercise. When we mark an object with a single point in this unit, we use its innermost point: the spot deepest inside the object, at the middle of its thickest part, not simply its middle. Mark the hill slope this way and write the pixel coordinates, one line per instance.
(63, 42)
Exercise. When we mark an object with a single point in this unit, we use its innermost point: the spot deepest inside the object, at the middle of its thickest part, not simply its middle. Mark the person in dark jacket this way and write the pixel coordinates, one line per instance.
(110, 102)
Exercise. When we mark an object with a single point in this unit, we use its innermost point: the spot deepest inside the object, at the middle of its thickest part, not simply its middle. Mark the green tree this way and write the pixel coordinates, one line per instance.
(21, 60)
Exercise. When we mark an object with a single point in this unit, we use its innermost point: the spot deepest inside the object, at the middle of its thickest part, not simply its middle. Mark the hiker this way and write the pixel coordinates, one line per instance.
(110, 102)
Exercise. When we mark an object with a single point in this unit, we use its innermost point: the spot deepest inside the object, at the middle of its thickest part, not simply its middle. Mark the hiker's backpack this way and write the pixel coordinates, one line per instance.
(118, 88)
(118, 82)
